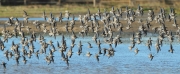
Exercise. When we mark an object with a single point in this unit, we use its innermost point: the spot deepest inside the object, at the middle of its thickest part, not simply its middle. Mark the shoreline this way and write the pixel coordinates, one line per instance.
(77, 29)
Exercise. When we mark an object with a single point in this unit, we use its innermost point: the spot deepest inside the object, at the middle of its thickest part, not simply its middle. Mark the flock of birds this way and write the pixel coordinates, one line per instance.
(111, 20)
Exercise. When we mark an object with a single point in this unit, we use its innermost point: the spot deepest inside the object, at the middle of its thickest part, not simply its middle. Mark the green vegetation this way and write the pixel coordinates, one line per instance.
(37, 10)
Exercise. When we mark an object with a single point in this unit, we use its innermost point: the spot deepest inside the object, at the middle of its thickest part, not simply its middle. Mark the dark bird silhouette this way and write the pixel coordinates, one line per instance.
(4, 65)
(97, 57)
(171, 50)
(25, 13)
(151, 56)
(44, 15)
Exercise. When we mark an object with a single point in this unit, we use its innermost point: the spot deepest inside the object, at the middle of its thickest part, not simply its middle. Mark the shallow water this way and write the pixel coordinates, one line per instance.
(124, 61)
(42, 19)
(70, 18)
(36, 18)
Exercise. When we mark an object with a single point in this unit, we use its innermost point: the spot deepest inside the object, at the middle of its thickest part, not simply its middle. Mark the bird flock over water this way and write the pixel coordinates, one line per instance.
(111, 23)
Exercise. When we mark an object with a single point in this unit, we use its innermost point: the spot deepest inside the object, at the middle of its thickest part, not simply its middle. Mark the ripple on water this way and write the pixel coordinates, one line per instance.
(124, 61)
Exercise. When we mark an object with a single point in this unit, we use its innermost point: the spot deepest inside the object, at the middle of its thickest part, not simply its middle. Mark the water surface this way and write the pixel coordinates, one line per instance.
(124, 61)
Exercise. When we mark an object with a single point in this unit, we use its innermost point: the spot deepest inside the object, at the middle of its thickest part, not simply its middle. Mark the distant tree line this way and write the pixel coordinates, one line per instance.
(22, 2)
(59, 2)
